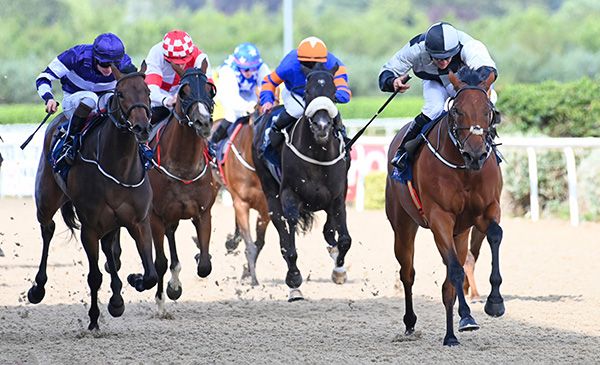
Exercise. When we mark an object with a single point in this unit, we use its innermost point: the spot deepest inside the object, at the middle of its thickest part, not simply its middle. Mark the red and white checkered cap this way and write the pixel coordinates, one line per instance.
(178, 46)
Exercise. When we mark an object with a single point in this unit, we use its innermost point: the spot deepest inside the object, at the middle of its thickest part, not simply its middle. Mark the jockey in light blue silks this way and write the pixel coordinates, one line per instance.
(86, 77)
(239, 86)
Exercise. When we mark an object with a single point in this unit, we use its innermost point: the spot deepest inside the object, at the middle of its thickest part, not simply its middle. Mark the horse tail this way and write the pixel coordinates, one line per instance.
(68, 213)
(305, 221)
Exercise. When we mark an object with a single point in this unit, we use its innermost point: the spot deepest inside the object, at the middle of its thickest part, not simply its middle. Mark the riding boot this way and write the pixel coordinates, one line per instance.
(158, 114)
(218, 135)
(71, 145)
(402, 157)
(284, 120)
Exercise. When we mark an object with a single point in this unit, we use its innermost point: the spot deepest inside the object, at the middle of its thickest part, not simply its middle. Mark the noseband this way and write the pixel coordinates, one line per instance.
(477, 130)
(122, 122)
(196, 79)
(319, 102)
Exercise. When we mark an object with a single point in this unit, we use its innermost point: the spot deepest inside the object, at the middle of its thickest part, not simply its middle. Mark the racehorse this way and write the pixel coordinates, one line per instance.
(182, 182)
(455, 186)
(238, 176)
(107, 187)
(314, 167)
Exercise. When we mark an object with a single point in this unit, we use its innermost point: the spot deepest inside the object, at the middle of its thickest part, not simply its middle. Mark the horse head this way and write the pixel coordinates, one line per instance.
(130, 105)
(470, 114)
(195, 103)
(319, 97)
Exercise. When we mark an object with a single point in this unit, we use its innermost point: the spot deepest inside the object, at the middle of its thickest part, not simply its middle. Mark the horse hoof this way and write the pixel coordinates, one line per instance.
(204, 269)
(333, 252)
(494, 309)
(467, 324)
(36, 294)
(136, 281)
(116, 310)
(295, 295)
(231, 244)
(339, 275)
(93, 326)
(173, 293)
(451, 341)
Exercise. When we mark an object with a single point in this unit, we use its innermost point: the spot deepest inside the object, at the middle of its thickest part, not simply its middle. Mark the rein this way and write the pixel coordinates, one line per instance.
(119, 125)
(453, 130)
(289, 143)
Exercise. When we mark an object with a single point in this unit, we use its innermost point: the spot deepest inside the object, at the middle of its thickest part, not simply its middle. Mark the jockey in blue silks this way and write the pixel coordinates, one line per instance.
(86, 77)
(239, 85)
(310, 51)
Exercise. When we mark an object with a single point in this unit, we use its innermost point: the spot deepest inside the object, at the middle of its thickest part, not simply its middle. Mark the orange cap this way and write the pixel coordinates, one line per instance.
(312, 49)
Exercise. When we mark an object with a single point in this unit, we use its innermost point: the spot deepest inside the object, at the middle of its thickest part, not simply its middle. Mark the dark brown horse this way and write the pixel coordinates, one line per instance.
(182, 181)
(458, 181)
(109, 189)
(314, 167)
(238, 176)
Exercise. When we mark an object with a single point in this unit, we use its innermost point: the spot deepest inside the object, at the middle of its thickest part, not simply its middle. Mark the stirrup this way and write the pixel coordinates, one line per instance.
(399, 160)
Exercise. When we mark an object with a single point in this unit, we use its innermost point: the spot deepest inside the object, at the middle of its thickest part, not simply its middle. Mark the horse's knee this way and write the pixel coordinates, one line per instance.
(494, 233)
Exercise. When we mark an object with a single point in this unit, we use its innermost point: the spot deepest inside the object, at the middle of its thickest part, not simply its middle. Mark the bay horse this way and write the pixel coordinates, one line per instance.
(108, 188)
(182, 182)
(314, 167)
(456, 187)
(237, 174)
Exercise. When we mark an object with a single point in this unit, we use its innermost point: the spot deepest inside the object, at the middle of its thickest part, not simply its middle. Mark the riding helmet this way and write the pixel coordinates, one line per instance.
(312, 49)
(441, 40)
(108, 48)
(178, 47)
(246, 56)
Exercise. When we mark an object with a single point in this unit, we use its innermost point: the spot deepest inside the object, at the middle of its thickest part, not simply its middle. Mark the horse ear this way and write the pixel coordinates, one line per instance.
(204, 66)
(488, 82)
(335, 68)
(305, 70)
(143, 67)
(455, 80)
(116, 71)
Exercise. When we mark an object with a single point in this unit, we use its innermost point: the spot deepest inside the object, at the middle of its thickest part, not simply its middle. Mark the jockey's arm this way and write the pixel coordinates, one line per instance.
(267, 93)
(342, 93)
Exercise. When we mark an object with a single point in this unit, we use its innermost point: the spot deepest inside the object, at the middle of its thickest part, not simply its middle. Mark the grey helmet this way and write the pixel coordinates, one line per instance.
(441, 40)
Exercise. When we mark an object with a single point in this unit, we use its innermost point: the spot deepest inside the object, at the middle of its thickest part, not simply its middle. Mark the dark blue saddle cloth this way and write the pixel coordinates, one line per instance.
(270, 155)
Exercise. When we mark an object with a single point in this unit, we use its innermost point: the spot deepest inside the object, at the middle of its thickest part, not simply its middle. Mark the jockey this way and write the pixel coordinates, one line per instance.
(431, 55)
(86, 77)
(239, 85)
(310, 51)
(176, 48)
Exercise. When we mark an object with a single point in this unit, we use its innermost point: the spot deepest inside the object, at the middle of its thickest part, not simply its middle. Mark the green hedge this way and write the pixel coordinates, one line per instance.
(551, 108)
(22, 113)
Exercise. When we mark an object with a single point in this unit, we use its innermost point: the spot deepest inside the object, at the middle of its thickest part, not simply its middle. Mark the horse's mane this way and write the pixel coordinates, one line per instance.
(471, 76)
(129, 69)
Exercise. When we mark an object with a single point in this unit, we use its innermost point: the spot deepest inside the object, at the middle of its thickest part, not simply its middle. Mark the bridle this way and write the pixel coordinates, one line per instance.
(474, 130)
(196, 79)
(122, 122)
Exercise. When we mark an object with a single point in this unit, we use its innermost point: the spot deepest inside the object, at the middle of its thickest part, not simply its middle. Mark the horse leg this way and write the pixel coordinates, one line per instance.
(450, 249)
(338, 218)
(89, 239)
(116, 305)
(262, 222)
(174, 287)
(48, 200)
(116, 252)
(242, 221)
(203, 227)
(290, 213)
(160, 262)
(494, 306)
(142, 235)
(472, 255)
